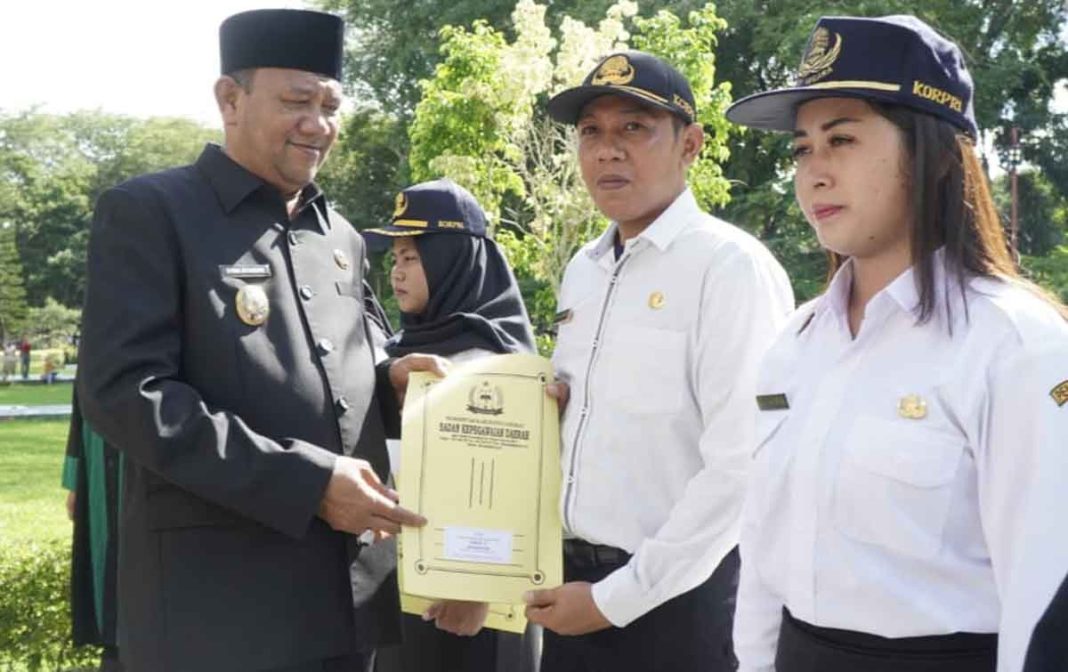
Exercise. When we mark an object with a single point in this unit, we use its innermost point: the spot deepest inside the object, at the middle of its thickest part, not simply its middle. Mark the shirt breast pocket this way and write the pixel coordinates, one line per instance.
(895, 485)
(646, 370)
(766, 474)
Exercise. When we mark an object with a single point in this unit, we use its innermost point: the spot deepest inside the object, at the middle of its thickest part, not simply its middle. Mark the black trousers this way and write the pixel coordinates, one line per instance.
(691, 632)
(808, 648)
(354, 663)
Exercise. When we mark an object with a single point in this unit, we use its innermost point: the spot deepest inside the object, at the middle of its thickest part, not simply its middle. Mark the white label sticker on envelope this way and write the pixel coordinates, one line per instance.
(469, 544)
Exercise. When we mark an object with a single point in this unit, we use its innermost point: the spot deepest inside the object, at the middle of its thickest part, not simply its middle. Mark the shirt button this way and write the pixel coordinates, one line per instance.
(326, 346)
(306, 292)
(342, 405)
(570, 480)
(294, 240)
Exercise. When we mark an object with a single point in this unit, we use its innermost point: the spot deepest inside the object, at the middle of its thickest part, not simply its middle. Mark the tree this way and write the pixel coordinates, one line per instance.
(12, 293)
(481, 122)
(53, 168)
(1015, 55)
(366, 168)
(52, 324)
(394, 46)
(1043, 212)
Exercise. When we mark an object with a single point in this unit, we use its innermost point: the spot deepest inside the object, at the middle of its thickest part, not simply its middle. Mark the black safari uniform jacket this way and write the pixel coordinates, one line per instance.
(231, 430)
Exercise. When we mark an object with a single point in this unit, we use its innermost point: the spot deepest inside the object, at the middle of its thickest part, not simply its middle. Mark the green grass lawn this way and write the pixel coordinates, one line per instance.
(35, 395)
(33, 524)
(32, 502)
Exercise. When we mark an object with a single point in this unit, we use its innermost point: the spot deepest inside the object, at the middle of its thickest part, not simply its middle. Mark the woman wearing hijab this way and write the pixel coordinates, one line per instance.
(458, 299)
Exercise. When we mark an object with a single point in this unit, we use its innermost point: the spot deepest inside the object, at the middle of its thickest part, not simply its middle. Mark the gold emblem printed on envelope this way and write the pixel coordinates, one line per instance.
(912, 406)
(252, 305)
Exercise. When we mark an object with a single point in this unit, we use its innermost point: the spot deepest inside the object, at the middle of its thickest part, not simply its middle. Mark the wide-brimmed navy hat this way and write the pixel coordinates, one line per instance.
(297, 39)
(893, 59)
(634, 74)
(439, 206)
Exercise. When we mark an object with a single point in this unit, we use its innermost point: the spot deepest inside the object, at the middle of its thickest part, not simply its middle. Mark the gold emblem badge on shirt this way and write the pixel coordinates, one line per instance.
(656, 300)
(1060, 393)
(252, 305)
(912, 406)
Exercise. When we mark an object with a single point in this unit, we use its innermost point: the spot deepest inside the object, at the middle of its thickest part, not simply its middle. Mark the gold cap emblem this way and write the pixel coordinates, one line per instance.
(912, 406)
(341, 260)
(821, 55)
(252, 305)
(401, 205)
(616, 70)
(656, 300)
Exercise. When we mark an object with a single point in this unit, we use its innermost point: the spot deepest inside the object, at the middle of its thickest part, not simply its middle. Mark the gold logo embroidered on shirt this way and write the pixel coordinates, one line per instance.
(912, 406)
(1060, 393)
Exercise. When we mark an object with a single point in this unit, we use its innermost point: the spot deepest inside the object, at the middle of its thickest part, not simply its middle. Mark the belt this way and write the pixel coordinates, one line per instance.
(585, 555)
(804, 647)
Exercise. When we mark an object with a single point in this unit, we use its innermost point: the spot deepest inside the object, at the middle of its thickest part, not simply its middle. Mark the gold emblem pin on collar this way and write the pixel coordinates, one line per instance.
(656, 300)
(912, 406)
(341, 260)
(252, 305)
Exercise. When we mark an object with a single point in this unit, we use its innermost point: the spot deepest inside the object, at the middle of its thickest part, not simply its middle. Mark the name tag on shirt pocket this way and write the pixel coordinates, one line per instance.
(895, 484)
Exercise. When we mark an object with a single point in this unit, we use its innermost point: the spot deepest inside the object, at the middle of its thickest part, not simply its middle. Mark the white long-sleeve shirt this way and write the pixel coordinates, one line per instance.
(661, 350)
(918, 482)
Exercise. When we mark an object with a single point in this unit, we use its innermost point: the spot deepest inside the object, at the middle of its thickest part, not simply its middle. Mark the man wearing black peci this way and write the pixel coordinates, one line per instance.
(226, 354)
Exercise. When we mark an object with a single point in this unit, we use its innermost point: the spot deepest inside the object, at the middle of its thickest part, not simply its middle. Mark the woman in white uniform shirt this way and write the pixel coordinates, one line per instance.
(908, 508)
(458, 299)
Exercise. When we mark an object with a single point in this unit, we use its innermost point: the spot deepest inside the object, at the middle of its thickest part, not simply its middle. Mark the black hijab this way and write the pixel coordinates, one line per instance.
(474, 301)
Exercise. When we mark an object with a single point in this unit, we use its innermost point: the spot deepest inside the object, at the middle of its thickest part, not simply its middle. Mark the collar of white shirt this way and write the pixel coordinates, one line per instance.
(902, 290)
(660, 232)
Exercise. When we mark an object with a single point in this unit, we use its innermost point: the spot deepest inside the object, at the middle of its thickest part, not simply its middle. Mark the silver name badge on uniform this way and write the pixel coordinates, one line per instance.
(246, 271)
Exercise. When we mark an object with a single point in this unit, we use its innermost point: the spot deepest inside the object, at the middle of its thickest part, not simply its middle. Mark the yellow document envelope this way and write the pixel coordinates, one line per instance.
(480, 451)
(506, 617)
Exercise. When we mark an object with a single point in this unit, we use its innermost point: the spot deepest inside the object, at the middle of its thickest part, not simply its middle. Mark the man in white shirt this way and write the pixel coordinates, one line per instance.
(663, 321)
